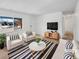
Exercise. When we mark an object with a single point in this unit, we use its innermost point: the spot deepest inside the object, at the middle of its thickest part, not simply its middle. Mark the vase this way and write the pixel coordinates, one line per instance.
(2, 46)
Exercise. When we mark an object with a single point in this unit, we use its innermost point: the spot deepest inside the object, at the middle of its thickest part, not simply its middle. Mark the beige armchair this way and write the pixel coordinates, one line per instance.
(25, 37)
(68, 35)
(31, 36)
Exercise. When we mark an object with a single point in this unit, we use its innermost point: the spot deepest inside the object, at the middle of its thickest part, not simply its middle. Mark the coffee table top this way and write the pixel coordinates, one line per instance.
(37, 46)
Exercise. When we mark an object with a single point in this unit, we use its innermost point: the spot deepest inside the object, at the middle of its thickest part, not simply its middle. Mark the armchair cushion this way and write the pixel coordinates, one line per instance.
(29, 33)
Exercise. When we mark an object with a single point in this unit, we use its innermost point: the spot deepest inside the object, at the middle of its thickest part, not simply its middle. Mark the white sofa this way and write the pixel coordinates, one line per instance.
(60, 51)
(13, 40)
(76, 48)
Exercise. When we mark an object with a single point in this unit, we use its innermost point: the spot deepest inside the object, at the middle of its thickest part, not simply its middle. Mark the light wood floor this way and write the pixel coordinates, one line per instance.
(3, 53)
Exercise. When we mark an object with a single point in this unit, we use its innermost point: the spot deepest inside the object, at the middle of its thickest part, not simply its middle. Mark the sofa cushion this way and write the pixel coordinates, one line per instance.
(16, 41)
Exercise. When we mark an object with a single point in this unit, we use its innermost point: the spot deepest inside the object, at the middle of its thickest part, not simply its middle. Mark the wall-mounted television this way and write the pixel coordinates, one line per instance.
(52, 25)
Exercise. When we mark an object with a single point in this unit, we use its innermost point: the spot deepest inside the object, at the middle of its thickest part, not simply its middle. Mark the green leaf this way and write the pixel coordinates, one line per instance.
(38, 40)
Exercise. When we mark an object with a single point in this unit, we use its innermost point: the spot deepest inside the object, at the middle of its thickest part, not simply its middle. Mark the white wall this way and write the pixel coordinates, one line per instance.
(41, 22)
(33, 22)
(76, 31)
(68, 22)
(26, 18)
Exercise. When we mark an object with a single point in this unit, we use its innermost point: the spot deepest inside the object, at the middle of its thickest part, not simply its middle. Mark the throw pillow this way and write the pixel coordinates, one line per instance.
(29, 33)
(68, 55)
(69, 45)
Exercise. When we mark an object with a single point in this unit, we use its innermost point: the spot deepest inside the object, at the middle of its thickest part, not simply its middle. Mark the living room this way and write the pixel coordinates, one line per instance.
(37, 17)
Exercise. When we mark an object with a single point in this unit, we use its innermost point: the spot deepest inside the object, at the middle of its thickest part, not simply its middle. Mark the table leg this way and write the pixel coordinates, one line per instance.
(32, 54)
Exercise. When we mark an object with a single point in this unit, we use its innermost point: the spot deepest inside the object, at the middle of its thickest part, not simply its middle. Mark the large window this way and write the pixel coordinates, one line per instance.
(10, 22)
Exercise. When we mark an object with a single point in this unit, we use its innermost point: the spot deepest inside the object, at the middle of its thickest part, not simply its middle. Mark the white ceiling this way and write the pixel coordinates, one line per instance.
(39, 6)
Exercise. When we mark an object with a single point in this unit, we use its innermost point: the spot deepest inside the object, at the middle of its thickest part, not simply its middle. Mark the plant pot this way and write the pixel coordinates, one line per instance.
(2, 46)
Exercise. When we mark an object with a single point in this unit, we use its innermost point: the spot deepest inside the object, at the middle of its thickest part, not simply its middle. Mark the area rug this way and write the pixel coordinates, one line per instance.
(23, 51)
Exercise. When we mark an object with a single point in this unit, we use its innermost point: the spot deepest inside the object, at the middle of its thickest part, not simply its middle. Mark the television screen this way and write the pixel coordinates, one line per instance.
(52, 25)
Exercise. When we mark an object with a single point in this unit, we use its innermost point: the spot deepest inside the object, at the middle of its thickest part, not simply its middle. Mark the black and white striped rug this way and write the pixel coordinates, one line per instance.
(23, 51)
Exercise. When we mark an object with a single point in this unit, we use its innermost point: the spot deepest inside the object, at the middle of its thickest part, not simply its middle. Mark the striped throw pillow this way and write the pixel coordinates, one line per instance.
(68, 55)
(14, 37)
(69, 45)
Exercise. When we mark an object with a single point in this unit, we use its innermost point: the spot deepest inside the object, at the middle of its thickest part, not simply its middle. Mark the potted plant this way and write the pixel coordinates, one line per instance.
(2, 40)
(38, 40)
